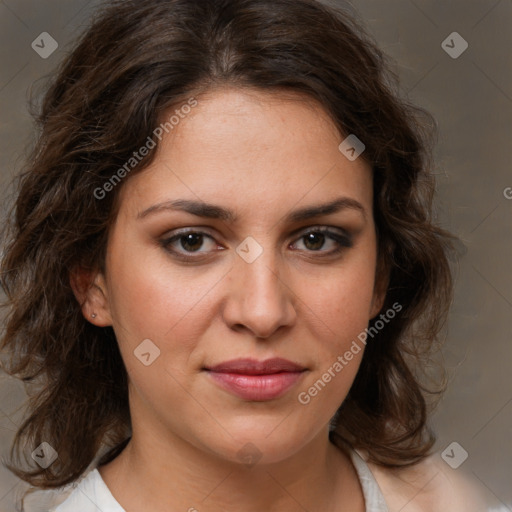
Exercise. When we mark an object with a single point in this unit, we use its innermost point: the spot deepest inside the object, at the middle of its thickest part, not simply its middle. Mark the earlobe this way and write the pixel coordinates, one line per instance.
(90, 290)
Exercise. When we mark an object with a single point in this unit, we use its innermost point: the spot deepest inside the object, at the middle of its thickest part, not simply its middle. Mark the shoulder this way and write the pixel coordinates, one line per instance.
(88, 494)
(430, 485)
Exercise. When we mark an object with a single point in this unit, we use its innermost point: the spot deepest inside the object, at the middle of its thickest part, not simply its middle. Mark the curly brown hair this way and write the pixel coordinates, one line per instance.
(136, 60)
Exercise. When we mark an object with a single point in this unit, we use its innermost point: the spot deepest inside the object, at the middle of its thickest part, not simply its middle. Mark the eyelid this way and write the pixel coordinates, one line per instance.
(178, 233)
(204, 230)
(342, 237)
(185, 257)
(324, 228)
(201, 230)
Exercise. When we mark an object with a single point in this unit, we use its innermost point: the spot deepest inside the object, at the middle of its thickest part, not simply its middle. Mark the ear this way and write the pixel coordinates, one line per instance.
(90, 290)
(380, 288)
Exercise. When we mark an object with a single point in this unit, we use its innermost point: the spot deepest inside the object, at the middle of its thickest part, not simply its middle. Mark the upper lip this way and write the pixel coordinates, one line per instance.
(254, 367)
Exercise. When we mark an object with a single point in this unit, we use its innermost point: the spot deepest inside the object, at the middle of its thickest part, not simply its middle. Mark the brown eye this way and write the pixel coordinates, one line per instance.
(186, 243)
(191, 241)
(316, 239)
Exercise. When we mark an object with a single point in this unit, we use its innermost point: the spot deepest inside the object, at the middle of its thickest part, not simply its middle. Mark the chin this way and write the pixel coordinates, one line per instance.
(270, 443)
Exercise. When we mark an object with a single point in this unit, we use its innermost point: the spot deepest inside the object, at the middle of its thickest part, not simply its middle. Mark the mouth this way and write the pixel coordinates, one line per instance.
(254, 380)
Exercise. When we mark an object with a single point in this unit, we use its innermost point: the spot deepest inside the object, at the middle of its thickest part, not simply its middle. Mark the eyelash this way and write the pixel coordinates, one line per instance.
(343, 241)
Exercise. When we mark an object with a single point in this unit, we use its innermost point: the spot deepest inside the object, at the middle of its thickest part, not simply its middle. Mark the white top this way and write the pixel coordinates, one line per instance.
(91, 494)
(444, 490)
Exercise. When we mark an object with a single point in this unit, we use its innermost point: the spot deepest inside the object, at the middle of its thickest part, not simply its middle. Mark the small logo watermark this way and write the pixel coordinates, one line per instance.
(249, 454)
(44, 45)
(147, 352)
(249, 250)
(351, 147)
(454, 45)
(454, 455)
(44, 455)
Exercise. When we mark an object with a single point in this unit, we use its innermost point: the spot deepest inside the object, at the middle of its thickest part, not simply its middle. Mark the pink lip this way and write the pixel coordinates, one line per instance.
(256, 380)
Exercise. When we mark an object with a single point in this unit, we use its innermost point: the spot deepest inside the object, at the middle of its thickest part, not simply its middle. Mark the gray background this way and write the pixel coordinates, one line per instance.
(471, 98)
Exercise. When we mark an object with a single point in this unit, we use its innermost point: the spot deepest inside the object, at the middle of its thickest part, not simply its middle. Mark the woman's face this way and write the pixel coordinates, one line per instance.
(249, 276)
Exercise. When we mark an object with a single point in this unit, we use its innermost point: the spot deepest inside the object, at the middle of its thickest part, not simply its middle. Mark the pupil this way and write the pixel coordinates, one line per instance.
(311, 238)
(189, 240)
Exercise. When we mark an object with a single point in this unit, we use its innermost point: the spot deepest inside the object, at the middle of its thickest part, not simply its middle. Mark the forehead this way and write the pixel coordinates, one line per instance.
(252, 150)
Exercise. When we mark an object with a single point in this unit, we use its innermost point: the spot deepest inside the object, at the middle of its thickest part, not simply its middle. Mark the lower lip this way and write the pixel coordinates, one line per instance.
(256, 387)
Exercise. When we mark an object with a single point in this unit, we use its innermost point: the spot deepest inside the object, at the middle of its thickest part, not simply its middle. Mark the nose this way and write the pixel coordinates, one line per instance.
(260, 299)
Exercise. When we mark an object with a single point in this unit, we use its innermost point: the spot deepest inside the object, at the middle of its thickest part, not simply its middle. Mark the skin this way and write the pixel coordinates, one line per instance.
(261, 155)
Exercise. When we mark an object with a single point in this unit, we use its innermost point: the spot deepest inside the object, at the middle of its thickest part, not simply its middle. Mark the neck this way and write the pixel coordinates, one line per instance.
(153, 474)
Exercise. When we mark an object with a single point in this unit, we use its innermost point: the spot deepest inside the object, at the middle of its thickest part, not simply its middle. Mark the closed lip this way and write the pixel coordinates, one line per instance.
(248, 366)
(253, 380)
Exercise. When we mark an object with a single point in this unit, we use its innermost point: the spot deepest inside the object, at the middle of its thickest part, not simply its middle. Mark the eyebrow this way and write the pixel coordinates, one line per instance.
(212, 211)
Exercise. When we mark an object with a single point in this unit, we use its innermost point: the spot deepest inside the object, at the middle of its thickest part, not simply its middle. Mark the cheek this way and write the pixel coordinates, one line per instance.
(343, 298)
(343, 305)
(150, 298)
(347, 300)
(342, 301)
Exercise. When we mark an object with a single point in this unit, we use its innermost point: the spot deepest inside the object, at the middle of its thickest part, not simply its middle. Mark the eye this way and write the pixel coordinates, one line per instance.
(187, 245)
(184, 243)
(315, 239)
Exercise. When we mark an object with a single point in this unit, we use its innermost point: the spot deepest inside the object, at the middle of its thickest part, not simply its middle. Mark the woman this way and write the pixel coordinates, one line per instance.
(222, 273)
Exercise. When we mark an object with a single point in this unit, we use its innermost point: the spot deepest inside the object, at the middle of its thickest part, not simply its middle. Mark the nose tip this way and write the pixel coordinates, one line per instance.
(258, 299)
